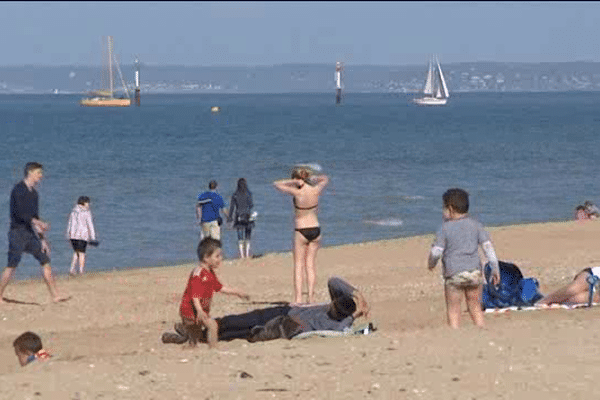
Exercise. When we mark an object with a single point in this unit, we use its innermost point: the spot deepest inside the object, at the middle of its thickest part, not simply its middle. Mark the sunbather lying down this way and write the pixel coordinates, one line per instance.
(347, 304)
(577, 291)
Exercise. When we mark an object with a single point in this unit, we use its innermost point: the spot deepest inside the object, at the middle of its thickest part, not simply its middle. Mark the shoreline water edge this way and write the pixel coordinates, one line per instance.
(61, 275)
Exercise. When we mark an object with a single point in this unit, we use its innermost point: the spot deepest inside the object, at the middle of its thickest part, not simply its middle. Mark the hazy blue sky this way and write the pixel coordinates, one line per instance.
(255, 33)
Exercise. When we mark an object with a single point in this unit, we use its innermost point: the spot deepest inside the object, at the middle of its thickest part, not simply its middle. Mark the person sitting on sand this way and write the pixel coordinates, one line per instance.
(286, 321)
(197, 297)
(456, 243)
(28, 348)
(575, 292)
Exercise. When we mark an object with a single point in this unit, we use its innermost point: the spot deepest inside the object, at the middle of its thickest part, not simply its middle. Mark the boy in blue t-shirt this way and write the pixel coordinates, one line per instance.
(208, 208)
(457, 243)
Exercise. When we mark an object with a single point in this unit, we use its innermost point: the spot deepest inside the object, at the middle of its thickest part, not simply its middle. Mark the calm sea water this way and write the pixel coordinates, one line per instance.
(522, 157)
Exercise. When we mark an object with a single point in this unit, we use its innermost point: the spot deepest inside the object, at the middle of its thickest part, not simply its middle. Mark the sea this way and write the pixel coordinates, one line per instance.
(523, 158)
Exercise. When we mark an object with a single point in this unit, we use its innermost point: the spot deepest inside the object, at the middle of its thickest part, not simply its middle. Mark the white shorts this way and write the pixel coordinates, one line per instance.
(211, 229)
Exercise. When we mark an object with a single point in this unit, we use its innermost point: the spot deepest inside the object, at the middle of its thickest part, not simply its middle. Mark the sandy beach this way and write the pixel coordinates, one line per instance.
(107, 338)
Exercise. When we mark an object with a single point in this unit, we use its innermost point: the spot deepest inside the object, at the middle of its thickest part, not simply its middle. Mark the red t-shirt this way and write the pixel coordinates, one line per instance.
(201, 286)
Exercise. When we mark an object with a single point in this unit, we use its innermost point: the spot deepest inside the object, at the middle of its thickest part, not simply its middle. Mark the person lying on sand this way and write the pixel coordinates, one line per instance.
(577, 291)
(347, 304)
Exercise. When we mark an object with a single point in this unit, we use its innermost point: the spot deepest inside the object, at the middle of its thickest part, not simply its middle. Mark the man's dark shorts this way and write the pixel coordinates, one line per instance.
(24, 241)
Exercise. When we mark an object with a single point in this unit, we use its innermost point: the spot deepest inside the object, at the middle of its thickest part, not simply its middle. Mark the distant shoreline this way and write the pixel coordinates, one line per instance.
(329, 92)
(284, 78)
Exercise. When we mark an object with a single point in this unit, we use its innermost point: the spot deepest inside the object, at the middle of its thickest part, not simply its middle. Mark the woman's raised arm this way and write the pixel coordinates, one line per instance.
(291, 186)
(320, 181)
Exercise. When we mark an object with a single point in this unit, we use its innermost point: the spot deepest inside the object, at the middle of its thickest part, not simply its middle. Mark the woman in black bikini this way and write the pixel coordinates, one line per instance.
(306, 188)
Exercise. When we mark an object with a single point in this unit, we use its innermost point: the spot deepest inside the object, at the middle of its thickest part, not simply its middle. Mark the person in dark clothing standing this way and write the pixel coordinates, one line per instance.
(240, 213)
(27, 232)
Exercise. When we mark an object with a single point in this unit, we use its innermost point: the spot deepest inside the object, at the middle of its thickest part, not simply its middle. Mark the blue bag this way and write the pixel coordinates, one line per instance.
(530, 294)
(513, 290)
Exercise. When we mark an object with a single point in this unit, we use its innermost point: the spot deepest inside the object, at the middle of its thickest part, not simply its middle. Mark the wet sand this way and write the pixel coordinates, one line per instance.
(107, 338)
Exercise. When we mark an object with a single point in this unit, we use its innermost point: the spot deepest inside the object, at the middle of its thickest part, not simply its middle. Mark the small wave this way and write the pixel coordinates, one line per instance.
(385, 222)
(413, 197)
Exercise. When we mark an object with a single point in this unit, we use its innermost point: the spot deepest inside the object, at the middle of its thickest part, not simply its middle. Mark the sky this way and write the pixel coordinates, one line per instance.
(268, 33)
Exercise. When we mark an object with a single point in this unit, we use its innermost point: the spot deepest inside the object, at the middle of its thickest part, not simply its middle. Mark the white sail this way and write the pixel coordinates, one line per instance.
(442, 81)
(428, 88)
(435, 90)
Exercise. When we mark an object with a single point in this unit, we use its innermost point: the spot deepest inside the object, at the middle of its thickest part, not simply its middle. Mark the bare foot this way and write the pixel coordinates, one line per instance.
(60, 299)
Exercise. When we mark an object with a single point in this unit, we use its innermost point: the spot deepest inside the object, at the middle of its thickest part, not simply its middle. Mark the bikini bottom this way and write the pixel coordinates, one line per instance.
(310, 233)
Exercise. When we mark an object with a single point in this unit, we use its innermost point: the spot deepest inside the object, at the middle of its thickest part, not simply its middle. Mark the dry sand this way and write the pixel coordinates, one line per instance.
(107, 338)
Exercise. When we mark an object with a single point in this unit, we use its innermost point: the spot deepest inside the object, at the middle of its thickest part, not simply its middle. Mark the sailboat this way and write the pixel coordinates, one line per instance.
(435, 89)
(105, 97)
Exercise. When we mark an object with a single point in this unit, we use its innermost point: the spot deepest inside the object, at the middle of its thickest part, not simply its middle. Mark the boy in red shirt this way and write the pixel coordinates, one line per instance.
(202, 284)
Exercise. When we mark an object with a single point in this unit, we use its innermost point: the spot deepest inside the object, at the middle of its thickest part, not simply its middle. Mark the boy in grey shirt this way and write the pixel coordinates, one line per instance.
(456, 243)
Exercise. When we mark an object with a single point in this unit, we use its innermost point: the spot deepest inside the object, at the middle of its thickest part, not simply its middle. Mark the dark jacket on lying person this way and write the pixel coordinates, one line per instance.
(347, 304)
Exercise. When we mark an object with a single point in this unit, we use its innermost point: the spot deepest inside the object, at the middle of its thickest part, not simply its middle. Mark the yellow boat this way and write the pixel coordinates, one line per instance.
(104, 102)
(105, 97)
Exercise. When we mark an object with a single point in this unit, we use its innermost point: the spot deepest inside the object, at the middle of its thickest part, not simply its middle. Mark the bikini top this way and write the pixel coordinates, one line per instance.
(304, 208)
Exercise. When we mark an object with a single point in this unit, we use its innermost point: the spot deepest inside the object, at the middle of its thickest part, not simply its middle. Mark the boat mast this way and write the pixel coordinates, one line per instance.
(110, 56)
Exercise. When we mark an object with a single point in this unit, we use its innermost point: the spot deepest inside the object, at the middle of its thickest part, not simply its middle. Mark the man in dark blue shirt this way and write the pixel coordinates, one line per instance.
(27, 232)
(208, 209)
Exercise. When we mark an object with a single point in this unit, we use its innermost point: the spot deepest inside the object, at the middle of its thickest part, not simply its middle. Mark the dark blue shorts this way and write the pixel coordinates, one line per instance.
(244, 231)
(24, 241)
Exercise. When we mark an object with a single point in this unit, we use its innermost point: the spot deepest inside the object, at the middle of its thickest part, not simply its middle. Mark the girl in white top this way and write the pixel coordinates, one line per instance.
(80, 230)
